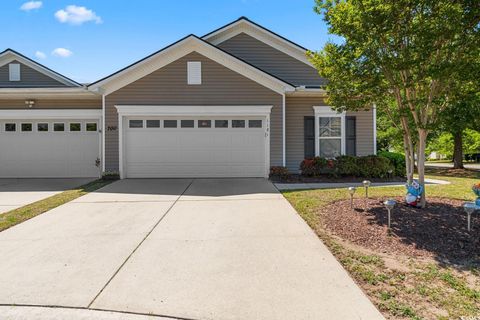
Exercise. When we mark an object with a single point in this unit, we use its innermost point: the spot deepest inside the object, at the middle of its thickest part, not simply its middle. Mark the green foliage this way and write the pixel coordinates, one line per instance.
(347, 166)
(408, 57)
(397, 160)
(443, 144)
(374, 167)
(365, 167)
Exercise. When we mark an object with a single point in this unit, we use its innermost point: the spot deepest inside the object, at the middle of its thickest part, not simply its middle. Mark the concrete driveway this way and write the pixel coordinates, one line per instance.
(15, 193)
(178, 248)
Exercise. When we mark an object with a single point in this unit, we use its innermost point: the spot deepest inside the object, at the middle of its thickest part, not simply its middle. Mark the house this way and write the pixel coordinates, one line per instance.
(232, 103)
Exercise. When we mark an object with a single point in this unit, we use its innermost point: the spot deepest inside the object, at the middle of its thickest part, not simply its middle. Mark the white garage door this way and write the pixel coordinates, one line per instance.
(195, 147)
(49, 148)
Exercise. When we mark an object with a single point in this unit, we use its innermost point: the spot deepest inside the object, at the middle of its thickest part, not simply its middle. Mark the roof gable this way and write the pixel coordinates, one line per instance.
(176, 51)
(244, 25)
(38, 75)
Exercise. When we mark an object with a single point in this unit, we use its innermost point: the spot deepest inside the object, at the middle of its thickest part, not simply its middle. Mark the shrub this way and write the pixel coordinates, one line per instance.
(374, 166)
(110, 175)
(397, 160)
(347, 166)
(279, 171)
(366, 167)
(317, 166)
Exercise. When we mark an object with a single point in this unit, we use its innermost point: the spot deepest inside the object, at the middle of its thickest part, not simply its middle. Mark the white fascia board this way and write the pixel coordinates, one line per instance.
(179, 50)
(50, 93)
(244, 26)
(52, 114)
(9, 56)
(146, 110)
(302, 92)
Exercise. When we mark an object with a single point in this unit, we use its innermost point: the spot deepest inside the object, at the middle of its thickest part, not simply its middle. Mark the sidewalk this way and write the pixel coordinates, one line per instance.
(339, 185)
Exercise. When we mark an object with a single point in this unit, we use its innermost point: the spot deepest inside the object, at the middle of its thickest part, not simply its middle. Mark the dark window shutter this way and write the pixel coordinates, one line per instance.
(309, 137)
(351, 136)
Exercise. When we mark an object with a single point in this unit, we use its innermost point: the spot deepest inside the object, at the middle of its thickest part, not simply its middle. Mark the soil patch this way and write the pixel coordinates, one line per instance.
(438, 231)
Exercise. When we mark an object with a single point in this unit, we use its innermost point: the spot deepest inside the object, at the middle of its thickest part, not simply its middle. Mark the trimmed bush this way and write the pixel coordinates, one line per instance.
(398, 161)
(364, 167)
(317, 166)
(374, 167)
(279, 171)
(347, 166)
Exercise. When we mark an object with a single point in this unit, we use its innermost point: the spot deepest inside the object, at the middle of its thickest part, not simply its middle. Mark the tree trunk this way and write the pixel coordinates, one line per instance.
(409, 152)
(422, 144)
(457, 150)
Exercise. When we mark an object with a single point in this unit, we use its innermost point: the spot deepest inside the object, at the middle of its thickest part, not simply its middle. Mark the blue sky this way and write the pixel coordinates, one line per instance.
(107, 35)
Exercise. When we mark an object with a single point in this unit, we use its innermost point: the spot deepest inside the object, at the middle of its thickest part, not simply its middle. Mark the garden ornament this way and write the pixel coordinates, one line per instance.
(389, 204)
(476, 190)
(469, 208)
(414, 193)
(351, 190)
(366, 184)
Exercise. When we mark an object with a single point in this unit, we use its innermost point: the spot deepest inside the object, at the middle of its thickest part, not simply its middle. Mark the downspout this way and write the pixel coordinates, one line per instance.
(104, 129)
(284, 154)
(374, 129)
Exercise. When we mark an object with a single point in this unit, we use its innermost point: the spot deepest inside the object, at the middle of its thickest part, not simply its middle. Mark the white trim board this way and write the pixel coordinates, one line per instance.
(179, 50)
(151, 110)
(269, 38)
(52, 114)
(9, 56)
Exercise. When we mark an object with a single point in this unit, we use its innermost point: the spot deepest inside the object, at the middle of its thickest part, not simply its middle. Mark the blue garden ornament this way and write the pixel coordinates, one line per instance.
(414, 193)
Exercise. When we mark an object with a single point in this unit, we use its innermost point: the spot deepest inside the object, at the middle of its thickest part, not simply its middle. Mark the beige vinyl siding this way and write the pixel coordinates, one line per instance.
(299, 107)
(272, 60)
(168, 86)
(28, 78)
(19, 104)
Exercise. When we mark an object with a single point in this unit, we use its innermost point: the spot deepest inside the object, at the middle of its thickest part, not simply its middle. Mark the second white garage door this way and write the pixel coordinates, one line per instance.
(195, 147)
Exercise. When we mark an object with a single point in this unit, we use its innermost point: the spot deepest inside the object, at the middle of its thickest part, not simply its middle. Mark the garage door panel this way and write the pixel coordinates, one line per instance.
(49, 154)
(194, 152)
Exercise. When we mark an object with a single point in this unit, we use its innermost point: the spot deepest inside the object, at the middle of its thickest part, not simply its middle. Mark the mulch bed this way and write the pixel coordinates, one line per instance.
(438, 231)
(297, 178)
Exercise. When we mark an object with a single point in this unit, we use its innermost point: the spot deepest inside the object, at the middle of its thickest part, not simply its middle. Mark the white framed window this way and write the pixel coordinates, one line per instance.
(194, 72)
(14, 71)
(329, 132)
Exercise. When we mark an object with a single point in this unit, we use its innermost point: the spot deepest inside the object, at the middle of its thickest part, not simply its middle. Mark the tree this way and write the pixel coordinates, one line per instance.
(400, 55)
(462, 113)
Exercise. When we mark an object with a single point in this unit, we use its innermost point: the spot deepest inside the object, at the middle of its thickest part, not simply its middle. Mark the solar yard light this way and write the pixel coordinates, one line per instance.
(366, 184)
(351, 190)
(389, 204)
(469, 208)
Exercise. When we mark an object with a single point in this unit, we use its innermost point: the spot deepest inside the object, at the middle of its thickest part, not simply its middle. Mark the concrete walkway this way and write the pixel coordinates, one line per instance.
(339, 185)
(471, 166)
(16, 193)
(179, 248)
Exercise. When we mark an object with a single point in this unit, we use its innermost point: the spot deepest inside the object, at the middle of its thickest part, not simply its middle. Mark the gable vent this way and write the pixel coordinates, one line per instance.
(14, 71)
(194, 71)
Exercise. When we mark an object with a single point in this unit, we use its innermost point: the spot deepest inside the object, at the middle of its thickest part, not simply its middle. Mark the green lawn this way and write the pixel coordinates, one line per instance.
(408, 288)
(16, 216)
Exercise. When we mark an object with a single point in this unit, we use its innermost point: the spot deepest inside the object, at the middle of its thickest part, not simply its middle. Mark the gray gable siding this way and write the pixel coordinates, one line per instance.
(272, 60)
(29, 78)
(168, 86)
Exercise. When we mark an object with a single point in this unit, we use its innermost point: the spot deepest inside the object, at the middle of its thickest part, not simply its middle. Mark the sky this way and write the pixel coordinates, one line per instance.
(88, 39)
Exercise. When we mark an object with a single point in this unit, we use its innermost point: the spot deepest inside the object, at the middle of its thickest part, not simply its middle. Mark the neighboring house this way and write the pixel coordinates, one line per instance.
(229, 104)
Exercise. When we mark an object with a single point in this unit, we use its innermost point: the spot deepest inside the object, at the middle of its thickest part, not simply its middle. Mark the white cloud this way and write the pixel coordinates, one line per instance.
(40, 55)
(76, 15)
(31, 5)
(62, 52)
